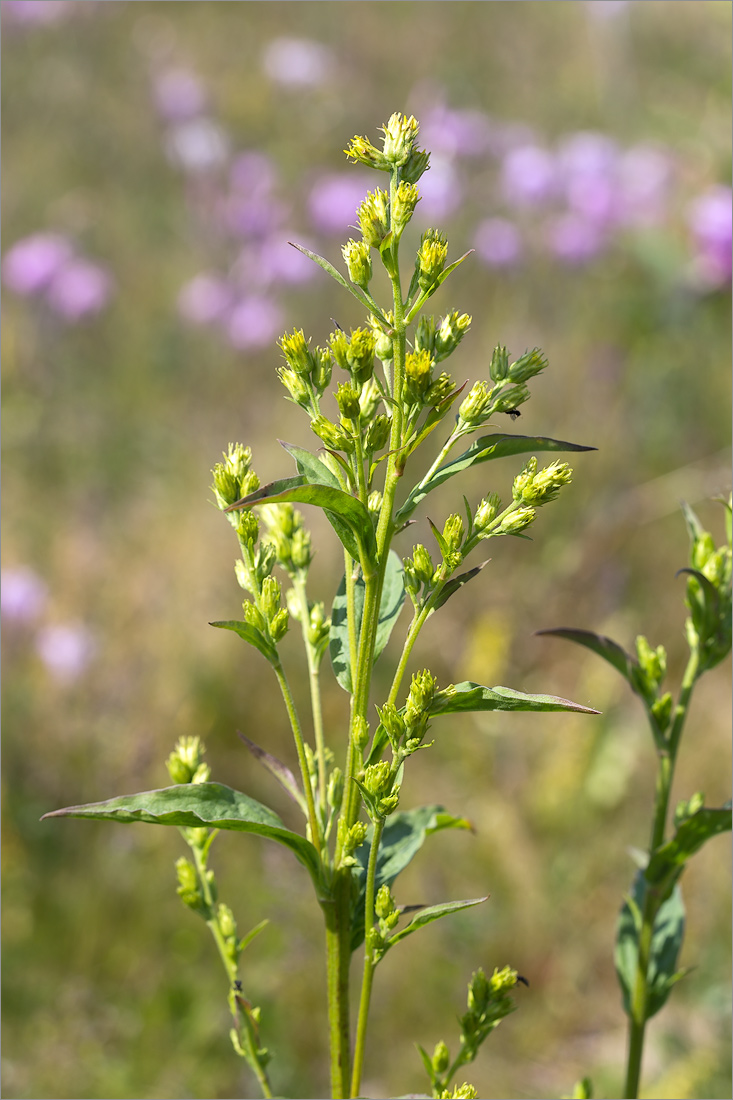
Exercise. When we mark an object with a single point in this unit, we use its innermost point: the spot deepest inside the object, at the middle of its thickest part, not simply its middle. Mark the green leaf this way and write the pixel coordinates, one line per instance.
(252, 635)
(669, 930)
(310, 466)
(331, 270)
(606, 648)
(467, 696)
(452, 586)
(354, 526)
(485, 449)
(668, 861)
(276, 767)
(393, 597)
(403, 836)
(197, 805)
(431, 913)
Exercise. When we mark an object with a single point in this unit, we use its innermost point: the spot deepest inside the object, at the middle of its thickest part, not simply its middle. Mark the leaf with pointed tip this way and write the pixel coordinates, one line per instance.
(668, 861)
(252, 635)
(467, 696)
(392, 599)
(431, 913)
(331, 270)
(667, 936)
(452, 586)
(276, 767)
(606, 648)
(434, 417)
(310, 466)
(355, 528)
(403, 836)
(200, 805)
(247, 940)
(485, 449)
(451, 267)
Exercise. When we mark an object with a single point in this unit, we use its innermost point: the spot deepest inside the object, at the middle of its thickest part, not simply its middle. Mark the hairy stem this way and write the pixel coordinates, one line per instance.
(368, 975)
(665, 775)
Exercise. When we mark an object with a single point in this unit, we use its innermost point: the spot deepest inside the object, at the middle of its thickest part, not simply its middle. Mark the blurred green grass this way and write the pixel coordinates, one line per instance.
(110, 428)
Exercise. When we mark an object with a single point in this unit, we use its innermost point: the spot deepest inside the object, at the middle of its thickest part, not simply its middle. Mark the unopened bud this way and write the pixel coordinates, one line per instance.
(347, 400)
(406, 199)
(441, 1058)
(296, 386)
(418, 371)
(373, 217)
(376, 777)
(452, 329)
(486, 512)
(453, 532)
(527, 366)
(499, 366)
(475, 408)
(377, 435)
(438, 390)
(516, 521)
(333, 436)
(359, 262)
(431, 257)
(423, 564)
(400, 134)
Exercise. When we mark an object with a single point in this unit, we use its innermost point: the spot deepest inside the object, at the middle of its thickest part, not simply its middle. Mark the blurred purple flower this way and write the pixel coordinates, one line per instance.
(333, 200)
(254, 322)
(645, 174)
(65, 649)
(299, 62)
(22, 594)
(573, 239)
(204, 299)
(252, 216)
(79, 289)
(178, 95)
(710, 218)
(528, 175)
(440, 191)
(604, 11)
(455, 132)
(35, 11)
(588, 163)
(31, 263)
(279, 262)
(254, 173)
(197, 145)
(497, 242)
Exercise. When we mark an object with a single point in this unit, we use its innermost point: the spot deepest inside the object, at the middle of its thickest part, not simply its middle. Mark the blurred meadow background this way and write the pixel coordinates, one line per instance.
(158, 158)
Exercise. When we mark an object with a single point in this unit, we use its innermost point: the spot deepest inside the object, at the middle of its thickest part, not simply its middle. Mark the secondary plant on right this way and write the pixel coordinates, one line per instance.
(651, 923)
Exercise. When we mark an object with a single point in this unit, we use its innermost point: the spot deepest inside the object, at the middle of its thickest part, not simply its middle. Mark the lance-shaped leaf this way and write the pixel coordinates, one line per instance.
(667, 936)
(452, 586)
(611, 651)
(335, 274)
(431, 913)
(310, 466)
(468, 696)
(485, 449)
(355, 528)
(393, 597)
(199, 805)
(276, 767)
(252, 635)
(316, 472)
(668, 861)
(404, 834)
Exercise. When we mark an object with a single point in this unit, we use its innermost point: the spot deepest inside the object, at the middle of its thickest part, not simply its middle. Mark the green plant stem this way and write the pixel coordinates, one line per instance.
(337, 912)
(665, 774)
(316, 837)
(369, 964)
(250, 1037)
(314, 676)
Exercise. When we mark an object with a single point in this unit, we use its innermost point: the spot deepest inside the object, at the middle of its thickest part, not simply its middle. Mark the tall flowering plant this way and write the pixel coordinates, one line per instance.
(366, 475)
